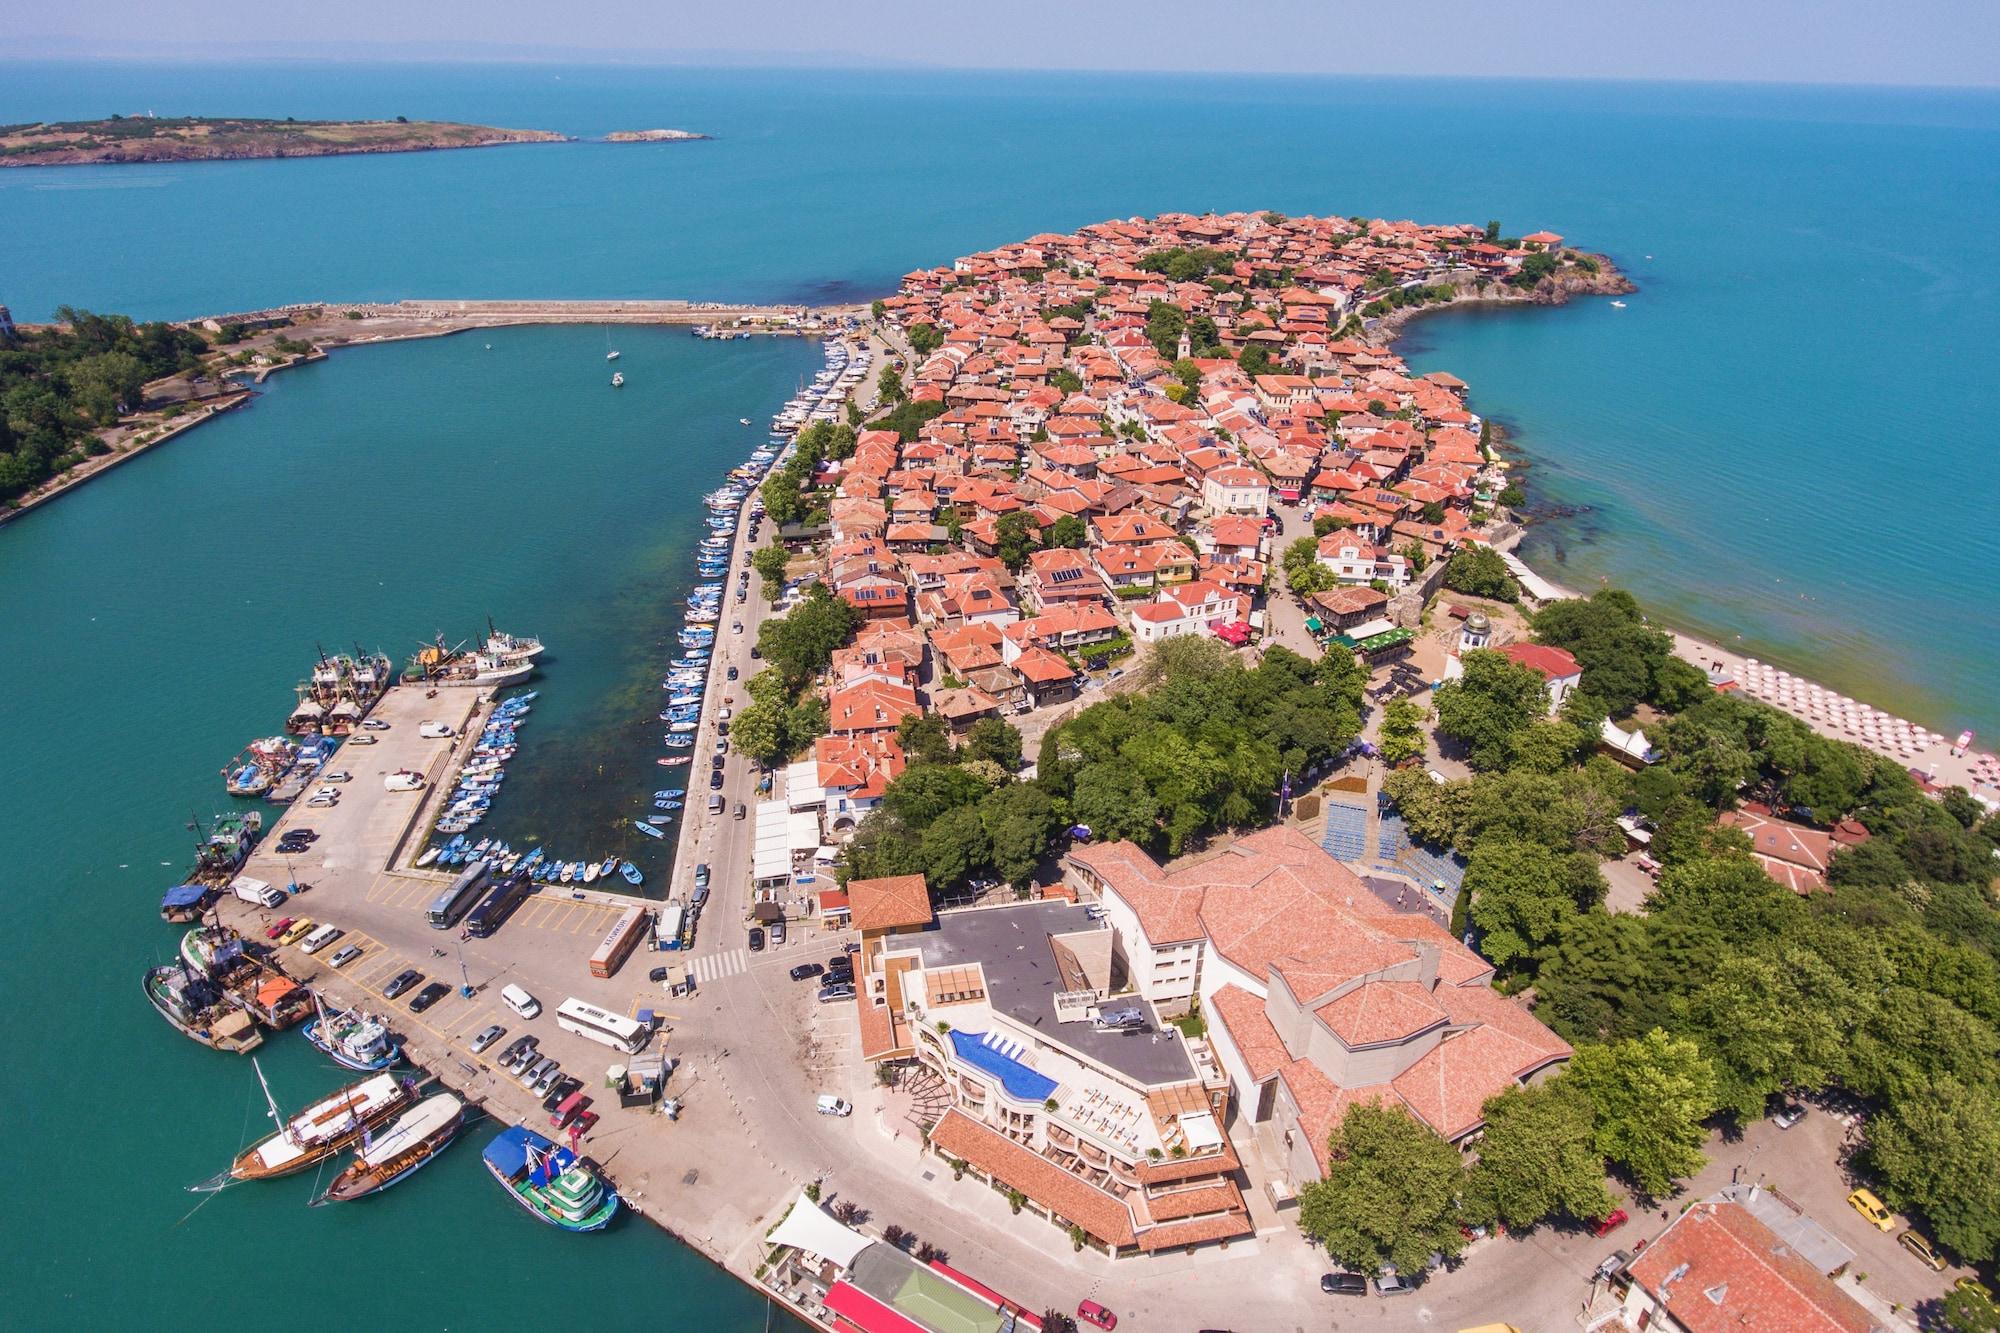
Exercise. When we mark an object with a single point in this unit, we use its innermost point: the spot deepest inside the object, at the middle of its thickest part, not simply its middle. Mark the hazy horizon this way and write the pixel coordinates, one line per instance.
(1923, 43)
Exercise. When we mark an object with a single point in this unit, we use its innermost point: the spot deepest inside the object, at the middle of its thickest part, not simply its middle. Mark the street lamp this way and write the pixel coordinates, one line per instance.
(464, 978)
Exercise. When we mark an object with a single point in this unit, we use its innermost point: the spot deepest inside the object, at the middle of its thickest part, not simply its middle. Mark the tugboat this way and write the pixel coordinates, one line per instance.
(200, 1009)
(417, 1137)
(549, 1181)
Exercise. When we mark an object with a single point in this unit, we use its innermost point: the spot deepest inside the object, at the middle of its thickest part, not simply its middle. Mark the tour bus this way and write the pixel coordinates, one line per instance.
(601, 1025)
(619, 942)
(450, 905)
(498, 905)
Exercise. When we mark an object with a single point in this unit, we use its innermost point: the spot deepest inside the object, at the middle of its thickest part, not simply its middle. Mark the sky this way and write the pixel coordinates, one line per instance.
(1784, 41)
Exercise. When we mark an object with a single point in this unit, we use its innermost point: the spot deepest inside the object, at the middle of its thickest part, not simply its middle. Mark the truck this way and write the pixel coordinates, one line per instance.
(256, 891)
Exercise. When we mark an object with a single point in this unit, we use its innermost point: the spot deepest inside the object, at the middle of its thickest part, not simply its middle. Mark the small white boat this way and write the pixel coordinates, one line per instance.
(611, 356)
(618, 379)
(1617, 305)
(743, 421)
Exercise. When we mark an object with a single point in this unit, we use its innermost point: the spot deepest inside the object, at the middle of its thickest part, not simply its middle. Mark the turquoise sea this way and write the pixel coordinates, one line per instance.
(1785, 436)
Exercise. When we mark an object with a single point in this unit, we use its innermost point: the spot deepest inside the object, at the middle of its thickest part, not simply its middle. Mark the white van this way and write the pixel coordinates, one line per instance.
(320, 938)
(522, 1003)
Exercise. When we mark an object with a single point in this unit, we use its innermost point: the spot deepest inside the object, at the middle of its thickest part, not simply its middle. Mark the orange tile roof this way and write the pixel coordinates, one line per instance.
(1219, 1197)
(883, 904)
(1106, 1218)
(1170, 1169)
(1379, 1012)
(1739, 1276)
(1241, 1015)
(1173, 1235)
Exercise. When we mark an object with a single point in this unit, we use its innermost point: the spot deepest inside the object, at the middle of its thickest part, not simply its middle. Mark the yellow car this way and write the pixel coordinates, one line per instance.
(1920, 1247)
(1865, 1203)
(300, 929)
(1972, 1286)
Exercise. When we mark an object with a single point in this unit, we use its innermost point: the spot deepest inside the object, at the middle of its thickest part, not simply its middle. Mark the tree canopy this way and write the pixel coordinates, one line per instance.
(1391, 1196)
(1489, 705)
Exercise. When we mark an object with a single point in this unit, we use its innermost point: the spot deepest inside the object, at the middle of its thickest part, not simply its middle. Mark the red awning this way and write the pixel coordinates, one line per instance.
(866, 1313)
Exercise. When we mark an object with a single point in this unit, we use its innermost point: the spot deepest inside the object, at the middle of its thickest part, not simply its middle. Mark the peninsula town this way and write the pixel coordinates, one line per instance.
(1167, 864)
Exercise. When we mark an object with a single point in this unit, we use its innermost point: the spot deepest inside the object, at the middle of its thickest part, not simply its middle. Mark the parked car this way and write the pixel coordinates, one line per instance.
(279, 927)
(828, 1104)
(514, 1049)
(297, 931)
(701, 875)
(1865, 1203)
(1788, 1114)
(524, 1058)
(489, 1034)
(429, 996)
(340, 775)
(404, 979)
(560, 1089)
(777, 932)
(658, 974)
(715, 778)
(1095, 1315)
(345, 956)
(548, 1079)
(320, 938)
(532, 1070)
(375, 724)
(741, 810)
(1610, 1222)
(1926, 1254)
(1391, 1283)
(1976, 1289)
(1343, 1284)
(804, 970)
(361, 740)
(835, 994)
(731, 673)
(756, 939)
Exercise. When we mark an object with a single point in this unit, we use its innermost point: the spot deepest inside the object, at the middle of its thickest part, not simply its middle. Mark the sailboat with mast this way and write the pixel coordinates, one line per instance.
(417, 1137)
(321, 1130)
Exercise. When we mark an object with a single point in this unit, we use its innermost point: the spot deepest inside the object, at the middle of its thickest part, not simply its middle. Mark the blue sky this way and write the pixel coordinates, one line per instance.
(1812, 41)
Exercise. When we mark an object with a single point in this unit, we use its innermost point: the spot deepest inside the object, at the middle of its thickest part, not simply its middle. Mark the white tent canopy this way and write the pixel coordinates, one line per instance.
(809, 1229)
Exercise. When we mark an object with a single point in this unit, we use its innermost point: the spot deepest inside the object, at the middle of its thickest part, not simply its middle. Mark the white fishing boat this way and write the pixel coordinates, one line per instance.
(618, 379)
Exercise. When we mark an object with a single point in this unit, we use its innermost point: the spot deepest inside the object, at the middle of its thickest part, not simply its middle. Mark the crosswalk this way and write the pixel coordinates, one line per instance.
(715, 966)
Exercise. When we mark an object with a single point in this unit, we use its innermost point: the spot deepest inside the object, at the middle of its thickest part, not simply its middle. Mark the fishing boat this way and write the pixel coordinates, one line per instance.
(630, 872)
(549, 1181)
(658, 819)
(607, 868)
(258, 767)
(418, 1136)
(352, 1039)
(322, 1129)
(227, 843)
(647, 829)
(590, 873)
(200, 1010)
(618, 379)
(502, 644)
(669, 793)
(671, 760)
(186, 902)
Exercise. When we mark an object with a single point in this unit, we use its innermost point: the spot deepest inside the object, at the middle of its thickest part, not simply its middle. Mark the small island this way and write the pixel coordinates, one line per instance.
(120, 139)
(655, 136)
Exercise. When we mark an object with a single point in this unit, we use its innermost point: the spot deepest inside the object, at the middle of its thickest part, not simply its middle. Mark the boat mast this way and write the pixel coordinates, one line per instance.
(277, 1117)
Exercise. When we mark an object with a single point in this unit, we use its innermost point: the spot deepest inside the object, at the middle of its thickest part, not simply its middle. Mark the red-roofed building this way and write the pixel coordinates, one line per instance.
(1553, 665)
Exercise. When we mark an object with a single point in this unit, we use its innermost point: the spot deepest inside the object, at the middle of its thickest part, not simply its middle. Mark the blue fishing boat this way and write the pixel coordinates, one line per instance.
(668, 793)
(630, 871)
(549, 1181)
(648, 830)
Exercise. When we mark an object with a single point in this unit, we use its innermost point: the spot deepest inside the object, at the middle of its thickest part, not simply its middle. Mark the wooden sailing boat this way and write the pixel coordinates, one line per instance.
(322, 1129)
(419, 1135)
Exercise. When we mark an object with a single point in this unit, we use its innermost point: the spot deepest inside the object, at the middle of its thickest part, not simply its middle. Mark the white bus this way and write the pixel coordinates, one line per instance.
(601, 1025)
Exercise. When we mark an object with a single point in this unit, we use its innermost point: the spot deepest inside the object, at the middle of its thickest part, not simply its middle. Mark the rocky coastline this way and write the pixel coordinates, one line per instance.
(121, 140)
(656, 136)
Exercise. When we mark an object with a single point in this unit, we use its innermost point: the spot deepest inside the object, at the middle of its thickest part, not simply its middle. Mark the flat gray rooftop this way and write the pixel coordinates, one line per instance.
(1022, 980)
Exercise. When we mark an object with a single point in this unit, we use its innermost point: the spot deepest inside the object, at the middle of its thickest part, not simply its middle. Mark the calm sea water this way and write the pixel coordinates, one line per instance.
(1783, 437)
(153, 622)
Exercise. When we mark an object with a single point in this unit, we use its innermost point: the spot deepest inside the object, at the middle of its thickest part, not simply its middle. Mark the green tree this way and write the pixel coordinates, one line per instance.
(1621, 656)
(1964, 1312)
(1069, 531)
(889, 386)
(107, 383)
(1538, 1158)
(1304, 574)
(1937, 1149)
(925, 339)
(1066, 381)
(1021, 821)
(1015, 536)
(1402, 731)
(925, 739)
(1651, 1095)
(1770, 1024)
(1254, 360)
(1488, 705)
(1164, 323)
(1391, 1195)
(1524, 896)
(769, 562)
(995, 739)
(801, 644)
(1547, 746)
(759, 731)
(1478, 571)
(954, 845)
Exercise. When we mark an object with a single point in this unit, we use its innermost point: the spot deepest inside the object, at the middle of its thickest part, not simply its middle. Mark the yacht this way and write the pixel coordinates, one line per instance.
(618, 379)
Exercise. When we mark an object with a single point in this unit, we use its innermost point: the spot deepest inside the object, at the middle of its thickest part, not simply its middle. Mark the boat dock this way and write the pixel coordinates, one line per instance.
(361, 880)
